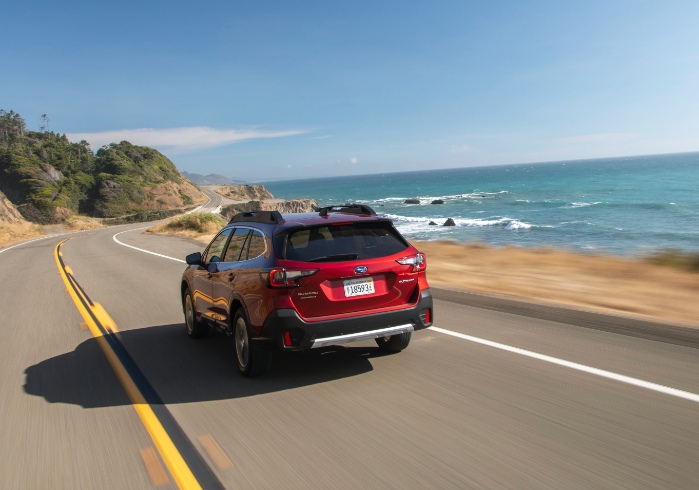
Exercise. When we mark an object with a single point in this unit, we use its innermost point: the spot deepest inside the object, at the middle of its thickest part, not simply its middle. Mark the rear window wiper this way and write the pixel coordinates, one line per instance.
(330, 258)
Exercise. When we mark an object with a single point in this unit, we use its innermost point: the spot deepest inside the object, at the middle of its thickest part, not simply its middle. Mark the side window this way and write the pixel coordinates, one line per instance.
(215, 250)
(257, 244)
(236, 245)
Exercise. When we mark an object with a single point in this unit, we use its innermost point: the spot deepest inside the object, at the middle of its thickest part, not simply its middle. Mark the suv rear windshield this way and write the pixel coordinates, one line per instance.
(346, 241)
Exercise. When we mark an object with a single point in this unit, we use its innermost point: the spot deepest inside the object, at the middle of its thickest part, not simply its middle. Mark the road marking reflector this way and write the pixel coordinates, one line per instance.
(215, 452)
(156, 472)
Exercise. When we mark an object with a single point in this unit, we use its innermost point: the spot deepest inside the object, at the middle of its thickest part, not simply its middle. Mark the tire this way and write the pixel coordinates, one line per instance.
(251, 361)
(196, 329)
(394, 343)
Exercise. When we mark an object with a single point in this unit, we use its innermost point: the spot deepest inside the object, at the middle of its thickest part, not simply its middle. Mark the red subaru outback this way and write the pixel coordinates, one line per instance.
(307, 280)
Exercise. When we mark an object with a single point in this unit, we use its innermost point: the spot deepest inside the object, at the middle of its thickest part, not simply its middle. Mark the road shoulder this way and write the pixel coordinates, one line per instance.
(651, 330)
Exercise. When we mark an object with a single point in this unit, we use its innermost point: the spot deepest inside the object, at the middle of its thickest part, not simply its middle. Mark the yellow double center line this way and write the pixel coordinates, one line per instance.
(99, 322)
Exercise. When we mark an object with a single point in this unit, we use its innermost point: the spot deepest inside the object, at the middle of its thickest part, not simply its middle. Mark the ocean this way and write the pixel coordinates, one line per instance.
(630, 206)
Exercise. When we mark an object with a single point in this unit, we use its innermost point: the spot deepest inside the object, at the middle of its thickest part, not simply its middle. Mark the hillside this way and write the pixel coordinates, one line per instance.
(135, 179)
(211, 179)
(48, 178)
(8, 212)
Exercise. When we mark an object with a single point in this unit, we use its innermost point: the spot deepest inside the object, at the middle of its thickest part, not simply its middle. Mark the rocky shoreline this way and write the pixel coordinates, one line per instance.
(254, 197)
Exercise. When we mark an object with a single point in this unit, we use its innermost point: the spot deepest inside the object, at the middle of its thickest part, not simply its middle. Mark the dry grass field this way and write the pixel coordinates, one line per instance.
(630, 287)
(15, 232)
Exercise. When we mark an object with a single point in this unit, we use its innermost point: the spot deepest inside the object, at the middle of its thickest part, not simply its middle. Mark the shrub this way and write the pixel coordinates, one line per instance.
(196, 222)
(676, 258)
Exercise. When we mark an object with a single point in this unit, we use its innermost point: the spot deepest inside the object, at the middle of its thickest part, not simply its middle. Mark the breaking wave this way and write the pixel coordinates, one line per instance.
(455, 198)
(583, 204)
(418, 222)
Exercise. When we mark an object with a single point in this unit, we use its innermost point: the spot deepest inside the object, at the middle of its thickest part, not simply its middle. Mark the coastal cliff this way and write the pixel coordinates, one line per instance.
(249, 192)
(292, 206)
(255, 197)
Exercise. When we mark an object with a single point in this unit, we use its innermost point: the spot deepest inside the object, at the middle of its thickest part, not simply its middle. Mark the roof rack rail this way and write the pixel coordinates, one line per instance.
(347, 208)
(271, 217)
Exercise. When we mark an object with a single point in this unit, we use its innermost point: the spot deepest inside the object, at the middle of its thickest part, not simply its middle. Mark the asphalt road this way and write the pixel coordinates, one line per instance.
(490, 399)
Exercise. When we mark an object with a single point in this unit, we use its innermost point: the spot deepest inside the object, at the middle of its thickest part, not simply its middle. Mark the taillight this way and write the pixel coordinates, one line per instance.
(417, 260)
(282, 278)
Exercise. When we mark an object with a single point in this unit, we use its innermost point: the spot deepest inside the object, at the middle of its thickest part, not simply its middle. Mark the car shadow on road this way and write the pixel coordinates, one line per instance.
(182, 370)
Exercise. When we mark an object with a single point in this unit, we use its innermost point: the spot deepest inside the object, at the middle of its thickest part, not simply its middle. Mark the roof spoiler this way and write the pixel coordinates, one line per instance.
(271, 217)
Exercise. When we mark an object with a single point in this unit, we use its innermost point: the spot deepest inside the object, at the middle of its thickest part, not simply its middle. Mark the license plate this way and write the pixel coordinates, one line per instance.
(359, 287)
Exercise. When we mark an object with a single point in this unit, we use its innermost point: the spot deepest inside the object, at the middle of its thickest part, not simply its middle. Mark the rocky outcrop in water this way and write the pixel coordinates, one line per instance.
(412, 201)
(449, 222)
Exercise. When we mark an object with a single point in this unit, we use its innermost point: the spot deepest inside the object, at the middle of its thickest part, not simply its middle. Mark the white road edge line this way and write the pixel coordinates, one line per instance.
(686, 395)
(574, 365)
(141, 249)
(144, 227)
(28, 241)
(42, 238)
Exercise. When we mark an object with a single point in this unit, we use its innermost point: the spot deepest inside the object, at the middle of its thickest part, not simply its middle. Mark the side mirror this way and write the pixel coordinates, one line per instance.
(193, 259)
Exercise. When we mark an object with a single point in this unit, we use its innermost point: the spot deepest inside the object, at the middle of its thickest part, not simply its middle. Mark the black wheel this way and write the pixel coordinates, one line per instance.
(394, 343)
(195, 328)
(251, 361)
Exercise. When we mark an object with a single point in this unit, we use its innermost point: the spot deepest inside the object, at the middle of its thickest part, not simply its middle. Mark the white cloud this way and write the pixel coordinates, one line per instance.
(192, 138)
(354, 160)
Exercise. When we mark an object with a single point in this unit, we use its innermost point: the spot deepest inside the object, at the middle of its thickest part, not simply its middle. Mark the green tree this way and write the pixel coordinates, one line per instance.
(44, 123)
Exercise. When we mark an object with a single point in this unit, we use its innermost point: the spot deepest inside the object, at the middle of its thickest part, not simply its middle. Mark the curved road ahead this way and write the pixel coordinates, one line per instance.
(486, 399)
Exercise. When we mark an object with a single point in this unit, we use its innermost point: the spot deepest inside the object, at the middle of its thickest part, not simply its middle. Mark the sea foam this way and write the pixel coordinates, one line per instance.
(504, 222)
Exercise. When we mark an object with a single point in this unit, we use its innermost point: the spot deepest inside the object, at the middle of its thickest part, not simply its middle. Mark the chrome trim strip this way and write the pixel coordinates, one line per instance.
(354, 337)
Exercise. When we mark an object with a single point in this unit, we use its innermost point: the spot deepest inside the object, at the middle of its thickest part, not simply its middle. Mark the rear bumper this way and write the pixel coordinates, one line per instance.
(307, 335)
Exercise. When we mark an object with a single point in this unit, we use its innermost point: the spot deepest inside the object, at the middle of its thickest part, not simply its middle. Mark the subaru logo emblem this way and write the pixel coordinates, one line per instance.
(360, 269)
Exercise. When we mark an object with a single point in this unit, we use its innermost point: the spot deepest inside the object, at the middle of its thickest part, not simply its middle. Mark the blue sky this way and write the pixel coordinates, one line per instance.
(275, 90)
